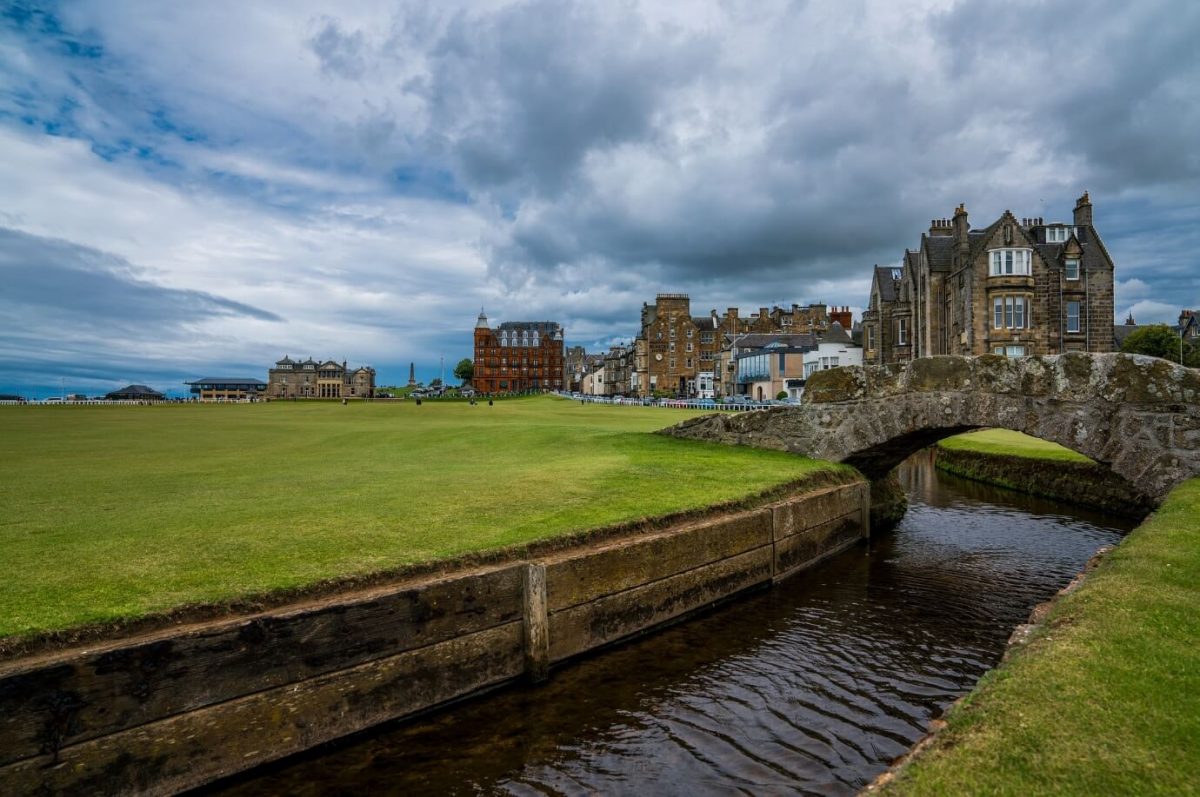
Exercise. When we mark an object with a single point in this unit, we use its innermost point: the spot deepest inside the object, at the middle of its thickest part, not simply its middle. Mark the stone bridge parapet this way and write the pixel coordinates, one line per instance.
(1138, 415)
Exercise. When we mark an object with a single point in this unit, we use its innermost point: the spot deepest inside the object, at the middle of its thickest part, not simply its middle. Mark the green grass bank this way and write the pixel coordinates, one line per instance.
(112, 513)
(1010, 459)
(1004, 442)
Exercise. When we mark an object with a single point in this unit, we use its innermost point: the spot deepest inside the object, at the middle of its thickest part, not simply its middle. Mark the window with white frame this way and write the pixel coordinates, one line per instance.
(1009, 351)
(871, 338)
(901, 331)
(1060, 234)
(1072, 316)
(1071, 268)
(1010, 312)
(1015, 262)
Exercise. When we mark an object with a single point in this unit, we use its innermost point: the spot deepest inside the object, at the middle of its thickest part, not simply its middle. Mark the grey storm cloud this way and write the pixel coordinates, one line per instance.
(50, 282)
(828, 151)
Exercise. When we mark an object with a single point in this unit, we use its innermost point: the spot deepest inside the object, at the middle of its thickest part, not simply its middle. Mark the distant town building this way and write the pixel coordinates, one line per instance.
(618, 368)
(518, 356)
(311, 379)
(574, 368)
(1122, 331)
(762, 366)
(1013, 288)
(1189, 325)
(135, 393)
(676, 352)
(227, 388)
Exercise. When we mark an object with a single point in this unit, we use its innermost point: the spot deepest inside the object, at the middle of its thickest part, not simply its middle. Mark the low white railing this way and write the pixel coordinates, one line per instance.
(682, 404)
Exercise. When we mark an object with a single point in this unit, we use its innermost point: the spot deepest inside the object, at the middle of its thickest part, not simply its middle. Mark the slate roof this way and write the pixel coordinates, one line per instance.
(541, 327)
(1122, 331)
(285, 361)
(939, 250)
(792, 340)
(887, 285)
(136, 391)
(1093, 257)
(836, 334)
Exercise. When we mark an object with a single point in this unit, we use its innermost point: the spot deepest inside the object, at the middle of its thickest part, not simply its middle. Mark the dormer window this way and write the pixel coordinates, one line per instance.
(1011, 262)
(1071, 268)
(1059, 234)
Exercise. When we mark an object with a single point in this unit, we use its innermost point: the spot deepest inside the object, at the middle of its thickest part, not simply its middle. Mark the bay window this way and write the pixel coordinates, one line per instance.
(1011, 262)
(1010, 312)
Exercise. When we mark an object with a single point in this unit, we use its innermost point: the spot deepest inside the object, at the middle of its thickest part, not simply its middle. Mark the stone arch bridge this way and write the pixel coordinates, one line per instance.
(1138, 415)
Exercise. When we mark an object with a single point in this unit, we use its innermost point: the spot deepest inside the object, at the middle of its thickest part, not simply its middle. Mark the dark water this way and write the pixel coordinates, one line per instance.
(812, 687)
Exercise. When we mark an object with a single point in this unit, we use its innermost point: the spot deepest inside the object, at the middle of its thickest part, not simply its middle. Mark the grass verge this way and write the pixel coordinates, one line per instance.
(1106, 698)
(113, 513)
(1013, 444)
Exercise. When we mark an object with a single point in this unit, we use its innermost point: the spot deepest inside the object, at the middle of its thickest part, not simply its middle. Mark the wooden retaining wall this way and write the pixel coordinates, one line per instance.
(175, 709)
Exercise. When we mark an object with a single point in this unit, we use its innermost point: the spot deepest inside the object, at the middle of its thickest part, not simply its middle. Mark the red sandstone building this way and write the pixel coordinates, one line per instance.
(518, 356)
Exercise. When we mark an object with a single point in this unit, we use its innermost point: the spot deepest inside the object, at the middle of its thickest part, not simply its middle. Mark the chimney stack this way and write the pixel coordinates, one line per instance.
(961, 226)
(1083, 211)
(940, 227)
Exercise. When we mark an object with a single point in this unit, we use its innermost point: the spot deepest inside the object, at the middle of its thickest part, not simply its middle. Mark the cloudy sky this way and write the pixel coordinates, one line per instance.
(195, 189)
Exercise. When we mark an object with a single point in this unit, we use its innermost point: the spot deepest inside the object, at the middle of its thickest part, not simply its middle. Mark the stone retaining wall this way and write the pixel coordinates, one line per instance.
(181, 707)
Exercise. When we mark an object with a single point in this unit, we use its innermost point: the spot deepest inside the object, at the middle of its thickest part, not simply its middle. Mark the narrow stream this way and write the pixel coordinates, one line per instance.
(810, 688)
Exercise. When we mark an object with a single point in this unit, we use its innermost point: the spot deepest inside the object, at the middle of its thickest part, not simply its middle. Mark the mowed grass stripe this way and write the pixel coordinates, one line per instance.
(1013, 444)
(115, 512)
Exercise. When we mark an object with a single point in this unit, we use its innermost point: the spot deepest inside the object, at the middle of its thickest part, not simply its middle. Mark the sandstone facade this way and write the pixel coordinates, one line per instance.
(1014, 288)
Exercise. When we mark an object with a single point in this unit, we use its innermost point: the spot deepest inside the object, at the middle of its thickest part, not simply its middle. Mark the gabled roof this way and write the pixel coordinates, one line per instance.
(939, 251)
(836, 334)
(886, 278)
(1122, 331)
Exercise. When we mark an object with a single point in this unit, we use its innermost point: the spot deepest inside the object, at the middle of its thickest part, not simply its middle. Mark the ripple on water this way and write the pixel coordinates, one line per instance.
(810, 688)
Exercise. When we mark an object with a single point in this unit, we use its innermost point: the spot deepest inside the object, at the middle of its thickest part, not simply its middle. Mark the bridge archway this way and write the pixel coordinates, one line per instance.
(1138, 415)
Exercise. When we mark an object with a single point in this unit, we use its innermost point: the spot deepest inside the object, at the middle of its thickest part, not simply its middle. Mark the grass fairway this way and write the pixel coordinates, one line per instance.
(1107, 699)
(1013, 444)
(115, 512)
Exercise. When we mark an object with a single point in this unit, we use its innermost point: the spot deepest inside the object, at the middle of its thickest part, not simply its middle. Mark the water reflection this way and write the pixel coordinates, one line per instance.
(812, 687)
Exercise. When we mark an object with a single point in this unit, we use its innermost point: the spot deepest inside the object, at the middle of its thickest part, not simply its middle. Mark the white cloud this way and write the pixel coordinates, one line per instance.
(373, 173)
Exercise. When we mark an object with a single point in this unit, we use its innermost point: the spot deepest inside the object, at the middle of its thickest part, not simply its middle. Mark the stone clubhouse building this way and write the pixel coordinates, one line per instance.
(322, 380)
(1012, 288)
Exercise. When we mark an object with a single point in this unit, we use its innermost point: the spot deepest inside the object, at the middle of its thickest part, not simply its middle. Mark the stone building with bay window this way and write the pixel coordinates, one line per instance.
(1013, 288)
